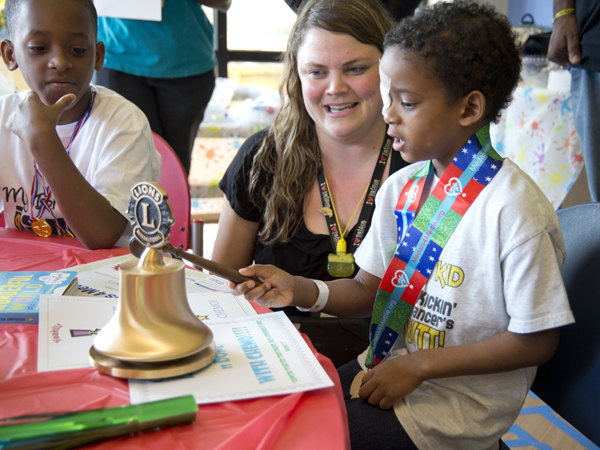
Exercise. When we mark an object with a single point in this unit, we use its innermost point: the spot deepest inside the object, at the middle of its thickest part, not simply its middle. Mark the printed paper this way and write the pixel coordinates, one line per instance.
(257, 356)
(68, 325)
(101, 279)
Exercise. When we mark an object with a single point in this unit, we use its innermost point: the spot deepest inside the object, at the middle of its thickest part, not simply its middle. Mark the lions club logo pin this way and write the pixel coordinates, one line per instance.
(150, 214)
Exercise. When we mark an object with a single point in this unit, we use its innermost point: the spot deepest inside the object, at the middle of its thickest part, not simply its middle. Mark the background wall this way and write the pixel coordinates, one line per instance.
(541, 10)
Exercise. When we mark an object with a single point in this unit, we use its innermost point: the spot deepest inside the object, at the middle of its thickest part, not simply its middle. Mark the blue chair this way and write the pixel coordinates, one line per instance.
(570, 382)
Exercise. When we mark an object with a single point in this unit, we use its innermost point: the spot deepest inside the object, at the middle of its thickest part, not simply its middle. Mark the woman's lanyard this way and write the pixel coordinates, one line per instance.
(341, 263)
(41, 227)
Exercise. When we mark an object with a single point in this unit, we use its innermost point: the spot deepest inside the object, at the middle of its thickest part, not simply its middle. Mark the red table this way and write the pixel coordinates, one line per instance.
(307, 420)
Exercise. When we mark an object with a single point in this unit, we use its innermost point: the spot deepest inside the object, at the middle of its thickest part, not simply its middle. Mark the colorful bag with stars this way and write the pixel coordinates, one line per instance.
(422, 239)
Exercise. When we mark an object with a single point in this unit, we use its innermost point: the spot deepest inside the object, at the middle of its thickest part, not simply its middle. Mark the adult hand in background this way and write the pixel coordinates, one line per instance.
(564, 42)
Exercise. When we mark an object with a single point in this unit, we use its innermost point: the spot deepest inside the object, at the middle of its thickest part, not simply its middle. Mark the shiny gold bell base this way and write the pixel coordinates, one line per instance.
(153, 333)
(152, 371)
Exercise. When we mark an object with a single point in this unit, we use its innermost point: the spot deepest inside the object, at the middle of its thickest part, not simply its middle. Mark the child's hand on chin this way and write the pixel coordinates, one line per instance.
(32, 118)
(389, 382)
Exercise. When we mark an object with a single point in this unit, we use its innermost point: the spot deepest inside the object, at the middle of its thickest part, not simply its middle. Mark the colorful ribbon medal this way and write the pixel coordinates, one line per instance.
(422, 239)
(39, 226)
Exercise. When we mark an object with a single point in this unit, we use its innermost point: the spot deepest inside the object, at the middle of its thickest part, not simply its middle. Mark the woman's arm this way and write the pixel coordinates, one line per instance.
(234, 245)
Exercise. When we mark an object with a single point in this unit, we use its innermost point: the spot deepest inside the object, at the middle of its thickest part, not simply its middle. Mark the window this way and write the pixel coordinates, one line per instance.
(259, 25)
(249, 40)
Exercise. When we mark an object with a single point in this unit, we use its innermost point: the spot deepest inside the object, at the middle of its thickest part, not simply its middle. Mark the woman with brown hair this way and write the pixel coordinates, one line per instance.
(300, 194)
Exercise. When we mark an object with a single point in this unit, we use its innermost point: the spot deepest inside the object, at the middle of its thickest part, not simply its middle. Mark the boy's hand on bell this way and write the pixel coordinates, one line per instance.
(32, 119)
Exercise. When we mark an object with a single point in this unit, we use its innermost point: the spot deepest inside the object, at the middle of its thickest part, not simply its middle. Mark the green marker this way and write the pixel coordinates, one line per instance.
(76, 429)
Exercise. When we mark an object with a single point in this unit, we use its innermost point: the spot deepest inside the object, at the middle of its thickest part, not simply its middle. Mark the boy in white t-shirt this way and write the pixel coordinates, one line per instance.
(461, 268)
(83, 191)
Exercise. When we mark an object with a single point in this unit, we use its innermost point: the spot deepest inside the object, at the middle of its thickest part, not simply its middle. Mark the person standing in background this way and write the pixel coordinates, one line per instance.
(575, 41)
(166, 68)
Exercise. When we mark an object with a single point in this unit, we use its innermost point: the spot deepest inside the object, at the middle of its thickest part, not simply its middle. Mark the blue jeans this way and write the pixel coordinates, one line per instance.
(371, 427)
(585, 98)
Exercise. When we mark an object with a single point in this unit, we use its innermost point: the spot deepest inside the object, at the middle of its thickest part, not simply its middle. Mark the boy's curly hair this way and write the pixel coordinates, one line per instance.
(468, 47)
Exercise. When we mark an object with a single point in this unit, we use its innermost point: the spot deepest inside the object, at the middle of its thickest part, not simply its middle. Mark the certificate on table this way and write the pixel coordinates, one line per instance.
(101, 279)
(68, 324)
(257, 356)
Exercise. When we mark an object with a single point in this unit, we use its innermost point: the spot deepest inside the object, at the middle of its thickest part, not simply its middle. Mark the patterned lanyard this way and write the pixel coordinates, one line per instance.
(40, 226)
(366, 212)
(421, 239)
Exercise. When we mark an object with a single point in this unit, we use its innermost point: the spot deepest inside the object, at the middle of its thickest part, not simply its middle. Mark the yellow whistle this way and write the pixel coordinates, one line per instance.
(340, 264)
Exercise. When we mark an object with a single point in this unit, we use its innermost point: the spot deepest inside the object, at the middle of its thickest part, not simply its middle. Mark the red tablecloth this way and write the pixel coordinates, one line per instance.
(308, 420)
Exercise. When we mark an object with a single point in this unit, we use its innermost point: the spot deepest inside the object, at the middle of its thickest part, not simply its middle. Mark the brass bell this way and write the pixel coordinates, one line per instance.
(153, 333)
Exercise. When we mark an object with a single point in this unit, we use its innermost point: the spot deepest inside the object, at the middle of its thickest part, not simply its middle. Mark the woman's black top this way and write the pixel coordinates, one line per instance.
(305, 254)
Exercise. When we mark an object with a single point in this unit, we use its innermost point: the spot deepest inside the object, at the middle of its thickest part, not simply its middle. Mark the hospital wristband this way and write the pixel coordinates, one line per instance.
(321, 299)
(563, 12)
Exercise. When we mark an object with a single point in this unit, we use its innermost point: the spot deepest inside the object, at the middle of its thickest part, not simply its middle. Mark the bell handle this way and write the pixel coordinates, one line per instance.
(217, 268)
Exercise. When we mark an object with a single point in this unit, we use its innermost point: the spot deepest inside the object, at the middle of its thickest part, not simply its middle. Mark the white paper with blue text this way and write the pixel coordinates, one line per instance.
(68, 325)
(101, 279)
(257, 356)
